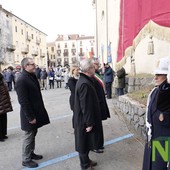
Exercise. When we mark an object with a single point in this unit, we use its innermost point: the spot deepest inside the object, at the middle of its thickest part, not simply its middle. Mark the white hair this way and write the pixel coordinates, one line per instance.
(85, 64)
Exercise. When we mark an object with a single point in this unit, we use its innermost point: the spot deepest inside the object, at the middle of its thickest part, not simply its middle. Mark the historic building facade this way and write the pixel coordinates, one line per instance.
(70, 49)
(19, 39)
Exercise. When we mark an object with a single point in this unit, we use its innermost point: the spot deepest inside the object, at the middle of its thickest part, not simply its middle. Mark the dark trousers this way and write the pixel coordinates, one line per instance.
(28, 146)
(58, 83)
(108, 87)
(119, 91)
(51, 83)
(9, 86)
(84, 160)
(3, 125)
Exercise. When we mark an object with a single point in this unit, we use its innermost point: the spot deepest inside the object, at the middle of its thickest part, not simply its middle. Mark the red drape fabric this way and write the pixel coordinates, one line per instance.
(135, 14)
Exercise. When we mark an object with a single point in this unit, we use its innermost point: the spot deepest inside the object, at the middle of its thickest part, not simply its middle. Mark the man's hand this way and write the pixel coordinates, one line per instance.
(33, 121)
(88, 129)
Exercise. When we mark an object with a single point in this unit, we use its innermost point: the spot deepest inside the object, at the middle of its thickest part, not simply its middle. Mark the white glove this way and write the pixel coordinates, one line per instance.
(168, 75)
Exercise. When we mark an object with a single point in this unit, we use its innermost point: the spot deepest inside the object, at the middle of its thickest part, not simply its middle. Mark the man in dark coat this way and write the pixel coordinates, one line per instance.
(104, 110)
(87, 117)
(108, 79)
(33, 113)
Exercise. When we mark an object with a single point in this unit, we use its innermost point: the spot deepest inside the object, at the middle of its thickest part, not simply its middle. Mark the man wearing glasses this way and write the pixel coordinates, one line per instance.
(33, 114)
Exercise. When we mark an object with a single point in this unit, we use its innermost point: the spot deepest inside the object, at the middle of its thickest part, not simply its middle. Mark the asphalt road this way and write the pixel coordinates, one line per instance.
(123, 150)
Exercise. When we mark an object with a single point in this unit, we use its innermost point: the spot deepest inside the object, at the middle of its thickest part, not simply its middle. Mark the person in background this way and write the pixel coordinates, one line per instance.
(43, 78)
(73, 77)
(86, 118)
(5, 106)
(17, 74)
(121, 75)
(51, 75)
(108, 79)
(104, 110)
(58, 76)
(37, 73)
(158, 117)
(9, 76)
(66, 77)
(33, 114)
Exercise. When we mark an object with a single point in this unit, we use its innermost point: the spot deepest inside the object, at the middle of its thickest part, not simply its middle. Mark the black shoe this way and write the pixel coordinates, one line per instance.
(93, 163)
(98, 150)
(89, 168)
(2, 140)
(36, 157)
(5, 137)
(30, 164)
(102, 147)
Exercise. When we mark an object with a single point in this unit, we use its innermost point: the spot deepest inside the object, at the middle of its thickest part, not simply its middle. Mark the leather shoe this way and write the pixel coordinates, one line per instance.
(30, 164)
(89, 168)
(36, 157)
(2, 140)
(5, 137)
(98, 150)
(93, 163)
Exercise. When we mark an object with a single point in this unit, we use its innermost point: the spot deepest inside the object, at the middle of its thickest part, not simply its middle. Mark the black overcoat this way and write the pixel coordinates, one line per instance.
(86, 113)
(30, 99)
(159, 118)
(102, 100)
(72, 85)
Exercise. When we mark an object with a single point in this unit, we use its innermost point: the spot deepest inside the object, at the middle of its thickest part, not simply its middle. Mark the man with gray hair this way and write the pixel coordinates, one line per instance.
(33, 114)
(86, 118)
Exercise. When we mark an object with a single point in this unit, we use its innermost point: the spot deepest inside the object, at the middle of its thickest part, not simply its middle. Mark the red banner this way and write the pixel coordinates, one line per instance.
(135, 14)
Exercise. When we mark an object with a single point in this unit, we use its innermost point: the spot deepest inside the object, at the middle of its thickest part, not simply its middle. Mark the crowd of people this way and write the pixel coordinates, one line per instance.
(46, 78)
(89, 91)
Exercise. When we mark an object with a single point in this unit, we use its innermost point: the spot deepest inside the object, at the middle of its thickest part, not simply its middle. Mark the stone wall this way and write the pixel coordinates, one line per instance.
(133, 111)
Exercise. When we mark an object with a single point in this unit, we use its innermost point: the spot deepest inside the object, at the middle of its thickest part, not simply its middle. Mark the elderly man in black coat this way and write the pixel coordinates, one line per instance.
(87, 117)
(32, 113)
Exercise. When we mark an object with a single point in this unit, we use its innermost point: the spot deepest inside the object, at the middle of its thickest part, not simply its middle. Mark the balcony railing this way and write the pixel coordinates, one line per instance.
(42, 55)
(11, 48)
(25, 50)
(28, 38)
(34, 53)
(81, 54)
(38, 41)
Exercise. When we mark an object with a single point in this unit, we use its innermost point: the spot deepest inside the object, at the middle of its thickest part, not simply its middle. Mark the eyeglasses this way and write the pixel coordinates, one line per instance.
(33, 64)
(160, 74)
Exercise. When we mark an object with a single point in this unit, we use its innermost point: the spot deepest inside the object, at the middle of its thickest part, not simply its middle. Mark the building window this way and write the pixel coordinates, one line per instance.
(7, 24)
(15, 28)
(80, 43)
(52, 49)
(73, 45)
(65, 45)
(58, 45)
(22, 31)
(59, 52)
(32, 36)
(65, 52)
(73, 51)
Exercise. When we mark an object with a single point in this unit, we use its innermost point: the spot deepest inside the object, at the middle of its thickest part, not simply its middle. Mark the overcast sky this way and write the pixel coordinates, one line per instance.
(55, 17)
